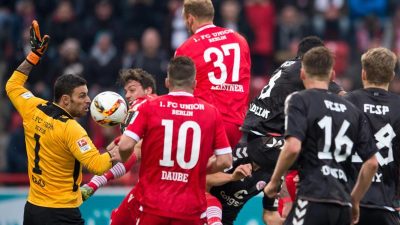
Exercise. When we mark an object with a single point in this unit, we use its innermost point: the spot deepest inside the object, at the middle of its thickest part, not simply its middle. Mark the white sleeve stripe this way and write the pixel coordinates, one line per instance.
(118, 170)
(132, 135)
(214, 211)
(223, 151)
(99, 180)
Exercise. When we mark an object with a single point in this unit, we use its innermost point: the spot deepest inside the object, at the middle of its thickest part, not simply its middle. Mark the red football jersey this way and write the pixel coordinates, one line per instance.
(180, 133)
(222, 59)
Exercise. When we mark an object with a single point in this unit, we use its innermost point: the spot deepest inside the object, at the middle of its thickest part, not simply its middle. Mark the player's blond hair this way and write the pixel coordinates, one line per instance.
(318, 63)
(201, 9)
(379, 64)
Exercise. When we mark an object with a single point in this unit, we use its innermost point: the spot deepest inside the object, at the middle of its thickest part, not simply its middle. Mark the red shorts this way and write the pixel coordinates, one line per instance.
(127, 212)
(233, 133)
(147, 219)
(291, 187)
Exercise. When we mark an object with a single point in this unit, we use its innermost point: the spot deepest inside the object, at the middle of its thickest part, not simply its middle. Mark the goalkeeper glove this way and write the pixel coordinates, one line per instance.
(38, 44)
(86, 192)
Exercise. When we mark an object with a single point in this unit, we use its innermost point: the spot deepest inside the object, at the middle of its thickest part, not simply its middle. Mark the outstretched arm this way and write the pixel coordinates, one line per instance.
(221, 178)
(117, 171)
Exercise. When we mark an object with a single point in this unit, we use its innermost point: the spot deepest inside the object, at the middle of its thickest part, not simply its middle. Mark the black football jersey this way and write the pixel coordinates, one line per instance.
(233, 195)
(332, 132)
(265, 113)
(382, 109)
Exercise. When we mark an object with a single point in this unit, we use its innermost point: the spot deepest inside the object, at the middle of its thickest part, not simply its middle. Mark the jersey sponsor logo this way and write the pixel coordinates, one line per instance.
(83, 145)
(334, 106)
(239, 194)
(230, 200)
(27, 95)
(260, 185)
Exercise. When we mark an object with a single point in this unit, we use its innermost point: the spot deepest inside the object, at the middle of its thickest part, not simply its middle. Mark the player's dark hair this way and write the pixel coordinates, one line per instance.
(141, 76)
(65, 85)
(308, 43)
(379, 65)
(181, 71)
(201, 9)
(318, 62)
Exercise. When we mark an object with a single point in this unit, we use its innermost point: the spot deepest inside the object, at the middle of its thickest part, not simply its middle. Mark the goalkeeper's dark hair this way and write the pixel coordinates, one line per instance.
(181, 71)
(65, 85)
(141, 76)
(308, 43)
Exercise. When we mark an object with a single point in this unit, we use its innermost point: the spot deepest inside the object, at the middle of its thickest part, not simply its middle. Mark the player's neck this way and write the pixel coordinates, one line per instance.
(382, 86)
(312, 83)
(200, 24)
(180, 89)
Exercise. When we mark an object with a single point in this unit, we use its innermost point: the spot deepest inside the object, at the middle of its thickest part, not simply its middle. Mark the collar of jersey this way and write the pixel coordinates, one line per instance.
(180, 93)
(62, 109)
(204, 27)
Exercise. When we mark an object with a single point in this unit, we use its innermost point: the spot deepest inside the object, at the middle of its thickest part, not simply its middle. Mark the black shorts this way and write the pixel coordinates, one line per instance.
(37, 215)
(370, 216)
(314, 213)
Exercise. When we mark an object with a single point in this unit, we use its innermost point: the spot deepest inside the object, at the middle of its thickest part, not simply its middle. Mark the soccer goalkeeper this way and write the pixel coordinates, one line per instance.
(57, 146)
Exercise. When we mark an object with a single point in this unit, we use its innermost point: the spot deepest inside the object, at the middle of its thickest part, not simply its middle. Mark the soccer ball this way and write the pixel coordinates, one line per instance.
(108, 109)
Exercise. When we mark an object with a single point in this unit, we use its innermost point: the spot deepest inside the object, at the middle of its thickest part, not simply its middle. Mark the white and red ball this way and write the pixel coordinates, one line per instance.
(108, 109)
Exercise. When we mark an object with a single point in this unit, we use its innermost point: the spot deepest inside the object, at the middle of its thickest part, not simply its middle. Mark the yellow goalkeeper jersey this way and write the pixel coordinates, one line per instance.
(56, 146)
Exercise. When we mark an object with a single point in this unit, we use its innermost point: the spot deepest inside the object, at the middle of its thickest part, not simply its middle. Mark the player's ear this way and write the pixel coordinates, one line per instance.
(148, 90)
(332, 75)
(167, 83)
(65, 100)
(363, 75)
(194, 84)
(302, 74)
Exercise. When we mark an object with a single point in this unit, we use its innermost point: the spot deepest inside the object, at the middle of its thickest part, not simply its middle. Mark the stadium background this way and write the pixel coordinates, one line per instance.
(96, 38)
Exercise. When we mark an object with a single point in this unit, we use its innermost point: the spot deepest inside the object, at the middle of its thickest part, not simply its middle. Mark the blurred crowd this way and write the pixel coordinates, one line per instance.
(97, 38)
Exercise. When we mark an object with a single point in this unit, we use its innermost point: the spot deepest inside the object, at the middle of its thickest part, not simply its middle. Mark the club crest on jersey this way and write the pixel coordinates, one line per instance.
(83, 145)
(260, 185)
